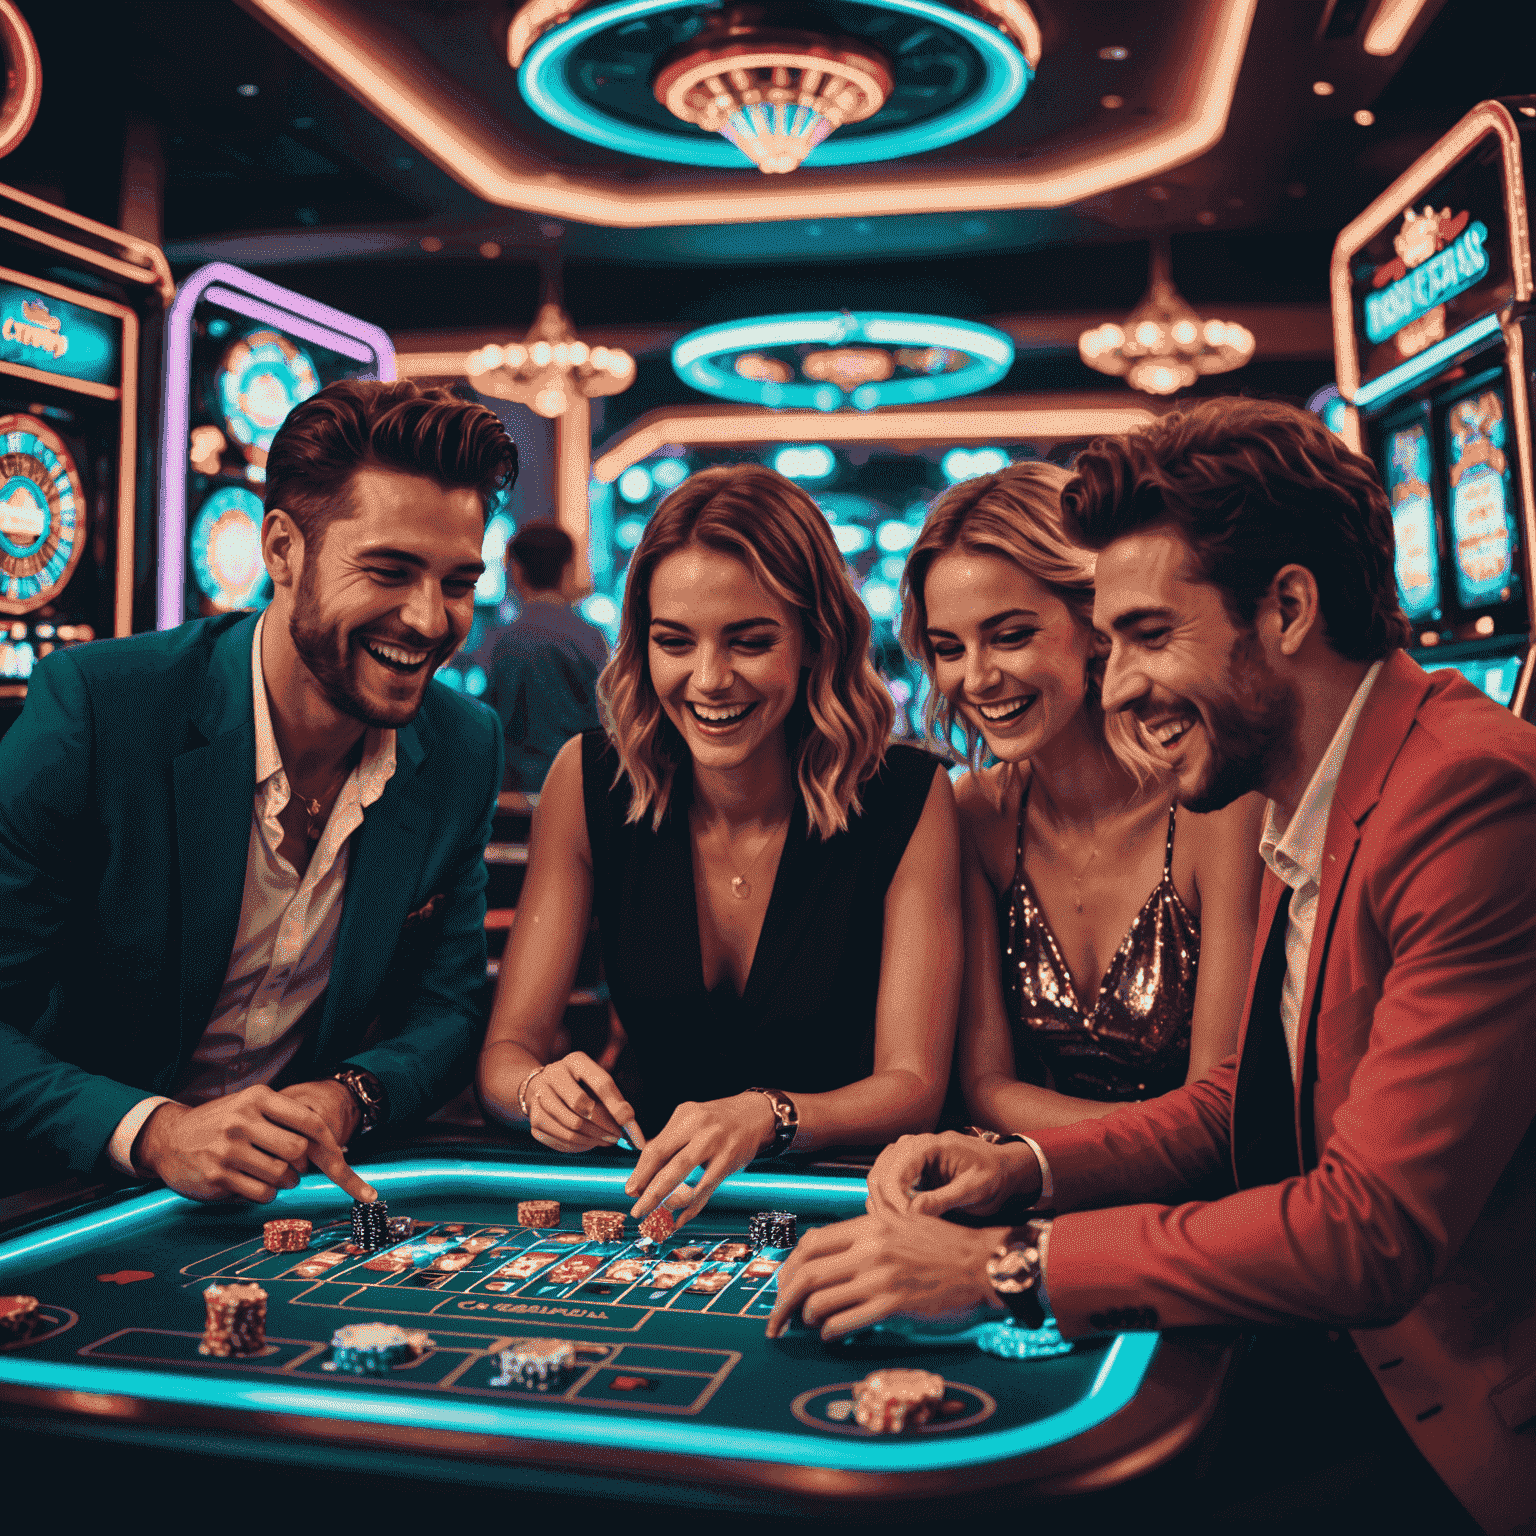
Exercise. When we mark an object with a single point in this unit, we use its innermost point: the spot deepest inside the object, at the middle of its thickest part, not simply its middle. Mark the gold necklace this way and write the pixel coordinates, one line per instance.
(741, 887)
(316, 810)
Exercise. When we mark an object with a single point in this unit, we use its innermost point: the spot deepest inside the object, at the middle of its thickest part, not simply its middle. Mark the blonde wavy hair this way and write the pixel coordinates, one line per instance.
(1015, 515)
(842, 720)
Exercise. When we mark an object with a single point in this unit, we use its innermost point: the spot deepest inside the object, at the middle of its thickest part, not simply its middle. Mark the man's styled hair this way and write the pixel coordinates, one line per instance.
(542, 551)
(364, 423)
(845, 714)
(1251, 486)
(1016, 516)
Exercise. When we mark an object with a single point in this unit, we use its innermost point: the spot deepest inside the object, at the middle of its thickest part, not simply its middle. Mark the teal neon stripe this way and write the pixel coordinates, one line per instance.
(1397, 379)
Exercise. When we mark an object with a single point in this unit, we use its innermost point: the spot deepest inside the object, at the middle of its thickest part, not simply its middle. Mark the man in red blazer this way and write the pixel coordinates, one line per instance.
(1367, 1160)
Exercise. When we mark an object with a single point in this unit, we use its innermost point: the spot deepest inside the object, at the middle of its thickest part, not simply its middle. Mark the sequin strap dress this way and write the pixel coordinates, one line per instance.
(1134, 1042)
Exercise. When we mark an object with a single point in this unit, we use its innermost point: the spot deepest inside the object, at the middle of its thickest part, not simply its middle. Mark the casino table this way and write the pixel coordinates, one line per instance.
(676, 1386)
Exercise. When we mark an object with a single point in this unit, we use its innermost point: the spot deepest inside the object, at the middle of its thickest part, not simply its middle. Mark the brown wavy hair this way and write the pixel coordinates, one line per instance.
(1015, 515)
(1251, 486)
(842, 720)
(358, 423)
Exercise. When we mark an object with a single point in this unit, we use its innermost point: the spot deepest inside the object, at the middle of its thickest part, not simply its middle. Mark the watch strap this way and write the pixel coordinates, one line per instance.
(786, 1121)
(370, 1094)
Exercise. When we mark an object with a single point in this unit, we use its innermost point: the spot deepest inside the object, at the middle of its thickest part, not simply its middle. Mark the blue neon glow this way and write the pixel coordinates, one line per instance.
(1405, 375)
(1461, 265)
(1119, 1377)
(895, 537)
(629, 533)
(601, 610)
(668, 473)
(696, 357)
(544, 84)
(812, 462)
(852, 539)
(492, 585)
(635, 483)
(475, 681)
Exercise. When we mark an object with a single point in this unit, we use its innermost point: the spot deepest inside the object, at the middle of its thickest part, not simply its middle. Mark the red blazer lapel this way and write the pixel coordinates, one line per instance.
(1379, 736)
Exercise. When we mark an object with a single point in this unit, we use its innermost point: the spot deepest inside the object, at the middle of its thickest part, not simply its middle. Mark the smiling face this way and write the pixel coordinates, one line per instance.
(388, 594)
(724, 655)
(1199, 686)
(1009, 655)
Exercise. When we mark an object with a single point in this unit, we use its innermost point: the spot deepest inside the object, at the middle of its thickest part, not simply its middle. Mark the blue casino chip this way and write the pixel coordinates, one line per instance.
(264, 375)
(42, 514)
(226, 549)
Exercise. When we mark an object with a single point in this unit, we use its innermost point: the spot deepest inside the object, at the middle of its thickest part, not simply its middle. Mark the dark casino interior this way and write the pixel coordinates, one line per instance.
(1002, 230)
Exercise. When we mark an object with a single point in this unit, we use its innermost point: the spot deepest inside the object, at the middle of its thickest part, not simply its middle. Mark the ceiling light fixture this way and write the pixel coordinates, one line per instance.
(1390, 25)
(1164, 346)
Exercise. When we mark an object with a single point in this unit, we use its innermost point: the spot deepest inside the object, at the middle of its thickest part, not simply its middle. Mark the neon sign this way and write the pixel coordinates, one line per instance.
(55, 336)
(1438, 256)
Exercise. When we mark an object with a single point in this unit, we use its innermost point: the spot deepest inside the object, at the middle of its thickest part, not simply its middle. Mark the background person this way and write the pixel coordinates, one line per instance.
(1367, 1161)
(1107, 933)
(776, 888)
(242, 861)
(544, 668)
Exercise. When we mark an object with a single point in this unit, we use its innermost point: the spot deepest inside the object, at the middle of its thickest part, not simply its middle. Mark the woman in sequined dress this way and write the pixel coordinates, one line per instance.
(1108, 932)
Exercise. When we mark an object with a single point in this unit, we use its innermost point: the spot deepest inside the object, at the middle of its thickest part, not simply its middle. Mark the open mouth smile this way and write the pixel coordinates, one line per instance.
(1169, 731)
(1006, 712)
(721, 716)
(396, 658)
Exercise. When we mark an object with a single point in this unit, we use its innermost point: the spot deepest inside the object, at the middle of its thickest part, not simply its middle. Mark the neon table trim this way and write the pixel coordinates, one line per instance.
(712, 1410)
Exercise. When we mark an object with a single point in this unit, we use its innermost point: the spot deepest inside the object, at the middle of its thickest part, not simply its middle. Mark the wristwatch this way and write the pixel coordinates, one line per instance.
(992, 1138)
(1015, 1271)
(786, 1121)
(369, 1092)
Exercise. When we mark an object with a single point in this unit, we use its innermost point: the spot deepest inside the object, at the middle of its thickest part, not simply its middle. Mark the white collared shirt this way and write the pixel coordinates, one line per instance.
(1294, 853)
(281, 960)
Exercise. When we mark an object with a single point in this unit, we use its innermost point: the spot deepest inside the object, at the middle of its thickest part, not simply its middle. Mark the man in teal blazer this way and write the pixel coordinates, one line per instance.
(218, 990)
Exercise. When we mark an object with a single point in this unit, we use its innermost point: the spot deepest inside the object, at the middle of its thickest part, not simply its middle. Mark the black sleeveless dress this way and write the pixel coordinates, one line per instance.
(807, 1018)
(1134, 1042)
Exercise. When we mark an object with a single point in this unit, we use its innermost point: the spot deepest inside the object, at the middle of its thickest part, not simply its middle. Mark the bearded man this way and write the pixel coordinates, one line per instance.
(1357, 1182)
(242, 861)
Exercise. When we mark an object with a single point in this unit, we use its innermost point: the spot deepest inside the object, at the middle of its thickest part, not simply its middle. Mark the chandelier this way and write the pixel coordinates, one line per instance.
(774, 94)
(551, 368)
(1164, 346)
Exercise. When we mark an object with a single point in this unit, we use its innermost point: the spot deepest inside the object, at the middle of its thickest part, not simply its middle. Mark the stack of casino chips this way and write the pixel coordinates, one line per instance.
(536, 1364)
(603, 1226)
(370, 1225)
(773, 1229)
(374, 1349)
(19, 1318)
(237, 1320)
(888, 1402)
(659, 1225)
(286, 1235)
(538, 1213)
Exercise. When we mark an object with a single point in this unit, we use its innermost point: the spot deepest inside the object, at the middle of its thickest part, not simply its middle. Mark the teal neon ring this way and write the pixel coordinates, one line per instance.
(543, 84)
(694, 358)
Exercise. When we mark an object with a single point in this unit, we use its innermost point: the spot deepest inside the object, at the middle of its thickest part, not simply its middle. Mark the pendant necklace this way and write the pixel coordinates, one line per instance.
(741, 887)
(315, 809)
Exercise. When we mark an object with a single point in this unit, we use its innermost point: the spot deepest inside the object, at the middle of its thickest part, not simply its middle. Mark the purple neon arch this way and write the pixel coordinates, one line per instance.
(245, 294)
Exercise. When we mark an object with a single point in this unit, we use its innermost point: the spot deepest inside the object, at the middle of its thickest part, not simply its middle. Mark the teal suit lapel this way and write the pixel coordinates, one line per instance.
(214, 787)
(385, 862)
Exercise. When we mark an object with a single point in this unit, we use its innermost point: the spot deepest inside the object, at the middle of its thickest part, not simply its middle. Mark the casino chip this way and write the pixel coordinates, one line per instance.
(773, 1229)
(370, 1225)
(887, 1402)
(603, 1226)
(19, 1318)
(538, 1213)
(536, 1364)
(659, 1225)
(286, 1235)
(236, 1320)
(375, 1349)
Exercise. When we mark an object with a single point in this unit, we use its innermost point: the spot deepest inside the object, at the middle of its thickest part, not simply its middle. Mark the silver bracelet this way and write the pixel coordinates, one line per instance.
(522, 1092)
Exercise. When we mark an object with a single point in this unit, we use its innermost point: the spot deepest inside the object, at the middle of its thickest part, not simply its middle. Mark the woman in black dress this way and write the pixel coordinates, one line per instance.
(777, 889)
(1119, 925)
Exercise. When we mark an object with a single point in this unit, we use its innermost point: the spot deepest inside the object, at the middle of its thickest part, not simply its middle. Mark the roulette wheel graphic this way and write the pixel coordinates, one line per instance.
(263, 376)
(42, 514)
(226, 548)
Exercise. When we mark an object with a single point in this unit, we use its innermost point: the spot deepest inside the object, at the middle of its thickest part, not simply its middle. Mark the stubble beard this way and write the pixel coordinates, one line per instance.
(1251, 730)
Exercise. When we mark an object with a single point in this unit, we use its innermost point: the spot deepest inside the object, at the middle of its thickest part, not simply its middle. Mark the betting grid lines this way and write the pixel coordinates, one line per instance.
(543, 1274)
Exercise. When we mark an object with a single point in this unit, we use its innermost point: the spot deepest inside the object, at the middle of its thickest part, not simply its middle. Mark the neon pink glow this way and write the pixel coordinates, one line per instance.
(256, 298)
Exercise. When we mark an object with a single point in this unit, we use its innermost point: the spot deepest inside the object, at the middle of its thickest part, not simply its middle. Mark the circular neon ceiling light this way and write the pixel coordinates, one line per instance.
(953, 76)
(823, 362)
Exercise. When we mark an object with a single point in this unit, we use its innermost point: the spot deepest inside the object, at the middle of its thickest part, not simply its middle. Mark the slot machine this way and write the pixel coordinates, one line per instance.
(1435, 336)
(240, 353)
(82, 310)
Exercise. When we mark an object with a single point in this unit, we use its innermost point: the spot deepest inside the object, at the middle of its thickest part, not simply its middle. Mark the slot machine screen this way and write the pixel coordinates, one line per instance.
(247, 374)
(1484, 534)
(1409, 477)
